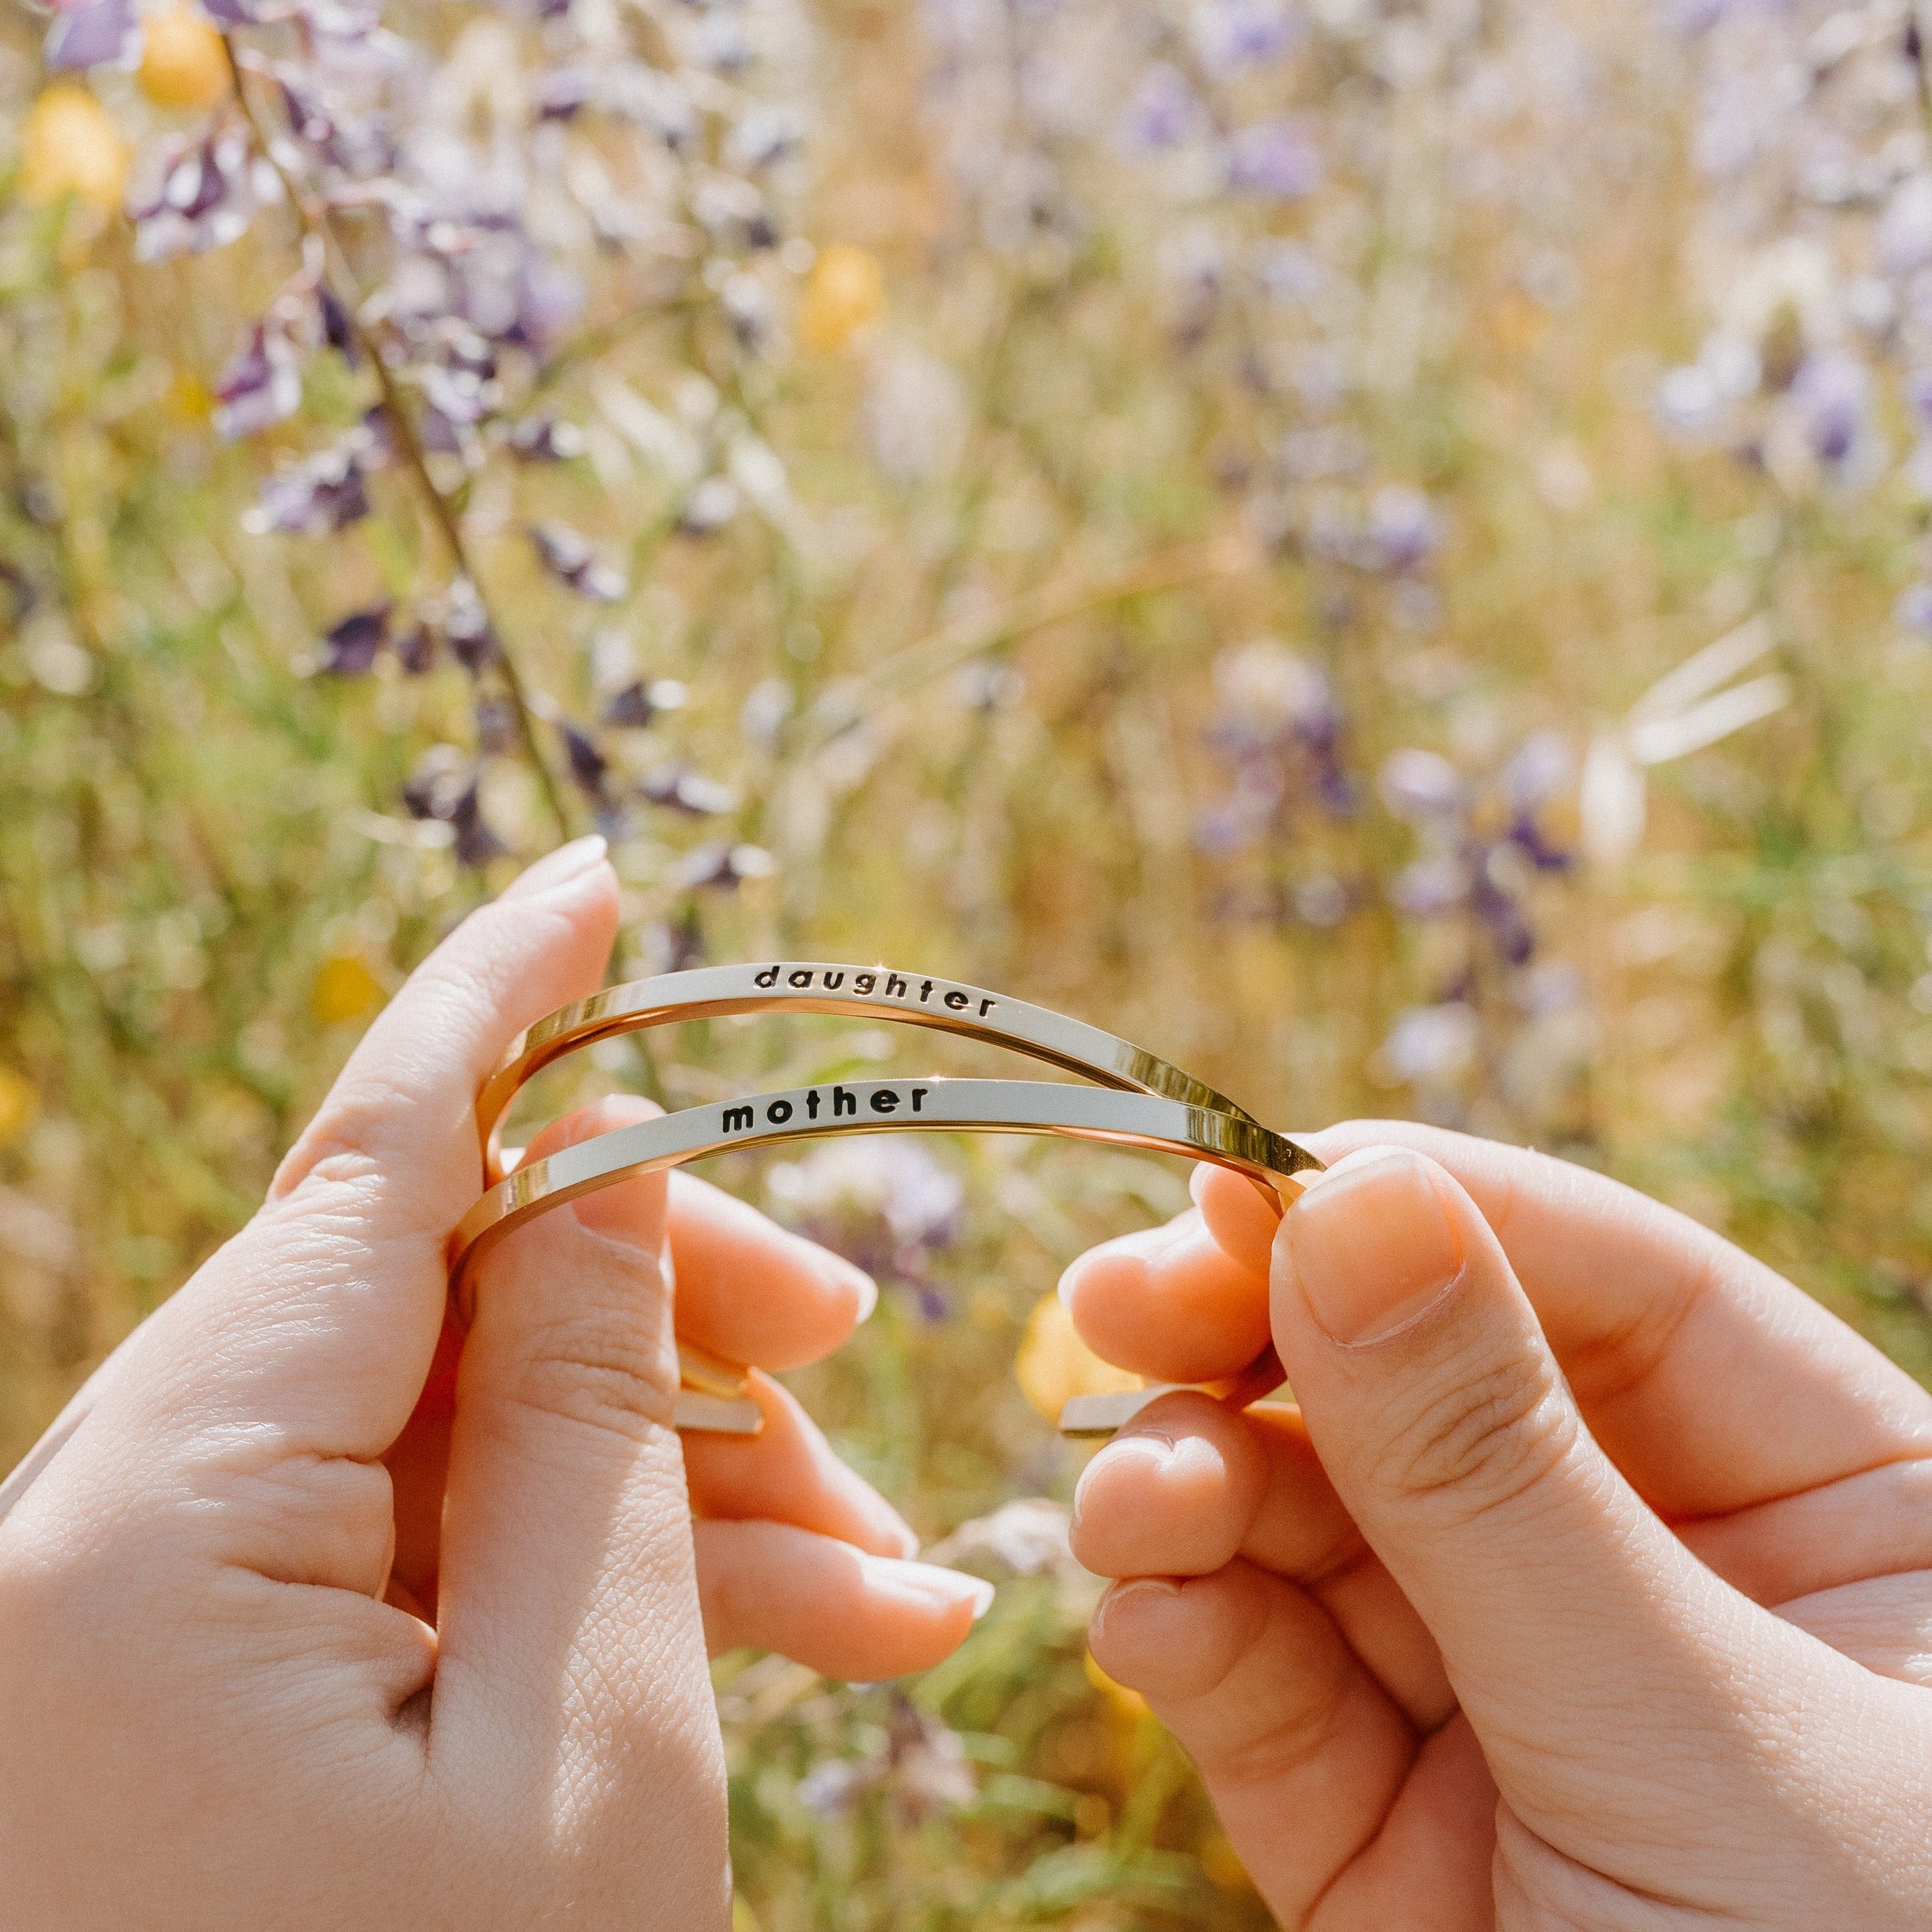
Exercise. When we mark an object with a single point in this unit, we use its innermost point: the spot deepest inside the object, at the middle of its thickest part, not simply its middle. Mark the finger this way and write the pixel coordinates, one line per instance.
(321, 1318)
(1884, 1624)
(1172, 1494)
(1186, 1487)
(1428, 1869)
(1300, 1750)
(1877, 1523)
(1169, 1303)
(567, 1607)
(1442, 1418)
(1679, 1346)
(292, 1359)
(417, 1461)
(747, 1289)
(787, 1473)
(774, 1296)
(752, 1291)
(844, 1612)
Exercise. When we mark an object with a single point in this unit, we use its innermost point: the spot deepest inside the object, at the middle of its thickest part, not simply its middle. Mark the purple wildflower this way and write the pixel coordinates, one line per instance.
(1423, 787)
(1163, 111)
(884, 1202)
(261, 385)
(467, 627)
(638, 704)
(444, 788)
(349, 648)
(1278, 160)
(209, 192)
(567, 555)
(416, 650)
(588, 767)
(1403, 528)
(326, 493)
(1832, 392)
(106, 33)
(680, 789)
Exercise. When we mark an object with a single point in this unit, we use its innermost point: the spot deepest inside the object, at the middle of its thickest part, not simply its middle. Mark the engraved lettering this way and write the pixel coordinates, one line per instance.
(895, 987)
(864, 983)
(800, 977)
(737, 1120)
(811, 1105)
(769, 977)
(958, 1001)
(843, 1102)
(918, 1094)
(924, 990)
(833, 981)
(778, 1112)
(885, 1101)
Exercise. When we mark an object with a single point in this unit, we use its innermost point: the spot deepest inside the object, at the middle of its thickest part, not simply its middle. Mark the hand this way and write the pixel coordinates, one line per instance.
(1590, 1586)
(224, 1703)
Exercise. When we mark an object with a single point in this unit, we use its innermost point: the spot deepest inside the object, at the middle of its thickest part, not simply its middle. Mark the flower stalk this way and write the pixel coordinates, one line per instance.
(316, 228)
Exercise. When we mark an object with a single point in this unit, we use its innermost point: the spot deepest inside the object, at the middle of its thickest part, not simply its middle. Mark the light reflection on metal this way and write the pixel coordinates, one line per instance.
(848, 992)
(1141, 1102)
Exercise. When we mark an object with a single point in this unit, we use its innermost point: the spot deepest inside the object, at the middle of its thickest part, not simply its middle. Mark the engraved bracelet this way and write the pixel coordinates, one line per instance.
(713, 1399)
(851, 992)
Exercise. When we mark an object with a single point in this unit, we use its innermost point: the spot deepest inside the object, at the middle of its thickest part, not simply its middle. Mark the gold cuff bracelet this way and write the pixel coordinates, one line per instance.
(1141, 1102)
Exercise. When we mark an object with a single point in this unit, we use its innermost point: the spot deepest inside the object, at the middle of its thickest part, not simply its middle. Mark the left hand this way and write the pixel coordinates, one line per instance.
(310, 1614)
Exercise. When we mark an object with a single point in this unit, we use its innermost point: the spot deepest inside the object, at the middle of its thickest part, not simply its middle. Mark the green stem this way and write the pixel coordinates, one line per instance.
(318, 228)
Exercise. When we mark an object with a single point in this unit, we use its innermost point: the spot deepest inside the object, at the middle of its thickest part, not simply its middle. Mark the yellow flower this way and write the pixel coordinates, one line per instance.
(1054, 1365)
(1222, 1864)
(847, 291)
(19, 1104)
(183, 62)
(1129, 1705)
(189, 396)
(345, 989)
(69, 146)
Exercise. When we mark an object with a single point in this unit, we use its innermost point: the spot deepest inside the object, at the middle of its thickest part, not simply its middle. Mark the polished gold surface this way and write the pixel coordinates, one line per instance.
(1141, 1101)
(848, 992)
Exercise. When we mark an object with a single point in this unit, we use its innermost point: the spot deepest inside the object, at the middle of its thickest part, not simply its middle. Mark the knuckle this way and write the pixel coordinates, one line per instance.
(608, 1368)
(342, 1144)
(1483, 1437)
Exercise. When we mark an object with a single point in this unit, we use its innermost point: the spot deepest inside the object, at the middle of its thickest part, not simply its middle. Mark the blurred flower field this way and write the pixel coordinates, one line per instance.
(1380, 549)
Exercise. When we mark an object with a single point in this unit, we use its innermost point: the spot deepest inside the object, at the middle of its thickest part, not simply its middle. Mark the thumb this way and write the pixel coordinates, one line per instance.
(572, 1683)
(1579, 1634)
(313, 1330)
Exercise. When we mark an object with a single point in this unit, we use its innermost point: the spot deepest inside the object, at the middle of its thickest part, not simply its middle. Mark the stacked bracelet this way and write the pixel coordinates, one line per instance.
(1141, 1102)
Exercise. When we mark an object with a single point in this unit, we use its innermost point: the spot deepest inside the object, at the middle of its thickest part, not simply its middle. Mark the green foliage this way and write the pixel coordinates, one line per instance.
(989, 688)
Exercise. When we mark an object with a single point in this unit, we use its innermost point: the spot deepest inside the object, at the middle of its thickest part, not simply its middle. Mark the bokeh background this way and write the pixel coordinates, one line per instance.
(1376, 546)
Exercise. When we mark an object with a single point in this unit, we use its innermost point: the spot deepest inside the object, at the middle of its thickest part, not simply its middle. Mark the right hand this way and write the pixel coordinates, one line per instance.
(1588, 1586)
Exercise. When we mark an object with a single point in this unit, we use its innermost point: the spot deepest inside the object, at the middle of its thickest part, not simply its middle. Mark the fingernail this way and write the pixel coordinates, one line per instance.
(886, 1521)
(868, 1298)
(928, 1586)
(1144, 1586)
(1373, 1246)
(1117, 1594)
(558, 868)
